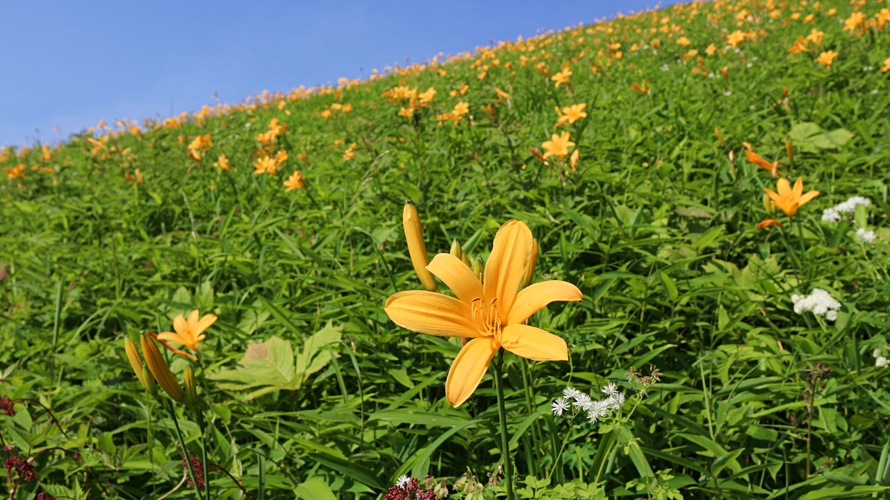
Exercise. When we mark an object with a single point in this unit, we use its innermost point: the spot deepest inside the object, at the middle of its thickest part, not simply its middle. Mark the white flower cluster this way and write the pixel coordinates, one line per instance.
(833, 214)
(865, 236)
(880, 360)
(819, 302)
(579, 401)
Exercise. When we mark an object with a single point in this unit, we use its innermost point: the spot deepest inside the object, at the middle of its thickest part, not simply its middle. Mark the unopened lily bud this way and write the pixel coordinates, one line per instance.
(144, 376)
(159, 369)
(191, 389)
(465, 259)
(135, 360)
(790, 151)
(455, 248)
(769, 207)
(532, 262)
(478, 268)
(417, 247)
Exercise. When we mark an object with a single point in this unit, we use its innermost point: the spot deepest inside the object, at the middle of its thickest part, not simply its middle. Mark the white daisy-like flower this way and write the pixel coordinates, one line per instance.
(881, 362)
(831, 315)
(610, 389)
(865, 236)
(559, 406)
(570, 393)
(582, 400)
(402, 481)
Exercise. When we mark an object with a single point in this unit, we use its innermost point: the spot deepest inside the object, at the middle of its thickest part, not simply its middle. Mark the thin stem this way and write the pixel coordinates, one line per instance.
(502, 414)
(188, 466)
(204, 459)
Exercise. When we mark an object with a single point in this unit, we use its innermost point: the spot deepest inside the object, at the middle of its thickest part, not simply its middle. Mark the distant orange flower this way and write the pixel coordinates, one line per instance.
(561, 77)
(15, 172)
(854, 21)
(558, 145)
(789, 199)
(570, 114)
(573, 161)
(815, 37)
(265, 165)
(735, 38)
(886, 67)
(222, 162)
(138, 179)
(644, 89)
(826, 58)
(295, 181)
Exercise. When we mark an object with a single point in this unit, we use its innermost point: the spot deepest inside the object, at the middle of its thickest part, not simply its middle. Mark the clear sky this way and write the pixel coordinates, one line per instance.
(65, 65)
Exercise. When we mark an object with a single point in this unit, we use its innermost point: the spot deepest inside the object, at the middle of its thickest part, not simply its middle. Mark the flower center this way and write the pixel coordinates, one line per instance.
(485, 315)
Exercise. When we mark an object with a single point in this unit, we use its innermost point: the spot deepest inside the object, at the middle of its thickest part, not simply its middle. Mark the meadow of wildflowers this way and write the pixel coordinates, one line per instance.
(643, 258)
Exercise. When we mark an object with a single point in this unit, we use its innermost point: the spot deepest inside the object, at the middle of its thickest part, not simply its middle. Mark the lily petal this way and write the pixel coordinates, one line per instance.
(457, 276)
(534, 343)
(807, 197)
(784, 187)
(468, 369)
(773, 195)
(180, 325)
(506, 265)
(798, 187)
(535, 297)
(203, 324)
(193, 321)
(431, 313)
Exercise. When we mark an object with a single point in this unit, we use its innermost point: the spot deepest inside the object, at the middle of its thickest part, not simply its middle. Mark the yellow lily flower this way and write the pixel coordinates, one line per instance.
(189, 333)
(491, 312)
(789, 199)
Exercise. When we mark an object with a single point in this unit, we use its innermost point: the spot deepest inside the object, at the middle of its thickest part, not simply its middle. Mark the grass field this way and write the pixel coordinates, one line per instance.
(731, 342)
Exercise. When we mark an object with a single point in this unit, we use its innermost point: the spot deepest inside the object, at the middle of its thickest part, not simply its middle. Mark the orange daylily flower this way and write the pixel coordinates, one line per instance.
(570, 114)
(15, 172)
(768, 223)
(561, 77)
(826, 58)
(295, 181)
(789, 199)
(558, 145)
(222, 162)
(189, 332)
(490, 312)
(644, 89)
(756, 159)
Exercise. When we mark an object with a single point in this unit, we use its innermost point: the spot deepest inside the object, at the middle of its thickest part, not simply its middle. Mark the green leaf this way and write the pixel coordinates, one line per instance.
(315, 489)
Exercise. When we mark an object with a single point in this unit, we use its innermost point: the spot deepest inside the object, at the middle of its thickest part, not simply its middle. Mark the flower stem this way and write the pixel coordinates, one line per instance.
(188, 466)
(502, 414)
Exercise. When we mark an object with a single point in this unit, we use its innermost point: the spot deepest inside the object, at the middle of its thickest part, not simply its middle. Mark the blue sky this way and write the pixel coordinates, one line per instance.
(70, 64)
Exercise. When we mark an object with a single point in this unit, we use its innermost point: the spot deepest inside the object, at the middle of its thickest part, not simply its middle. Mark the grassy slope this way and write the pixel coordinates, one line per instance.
(656, 227)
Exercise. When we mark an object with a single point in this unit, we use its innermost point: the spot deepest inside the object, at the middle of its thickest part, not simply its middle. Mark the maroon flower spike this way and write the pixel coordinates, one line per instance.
(409, 491)
(22, 467)
(197, 470)
(7, 406)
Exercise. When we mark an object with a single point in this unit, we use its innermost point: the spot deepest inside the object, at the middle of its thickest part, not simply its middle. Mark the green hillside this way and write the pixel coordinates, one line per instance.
(744, 331)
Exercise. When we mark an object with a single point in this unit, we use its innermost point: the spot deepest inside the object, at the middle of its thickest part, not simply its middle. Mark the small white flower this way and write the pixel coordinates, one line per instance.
(402, 481)
(796, 298)
(830, 215)
(592, 417)
(875, 91)
(727, 94)
(881, 362)
(877, 352)
(610, 389)
(560, 405)
(665, 67)
(620, 398)
(831, 315)
(582, 400)
(570, 393)
(865, 236)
